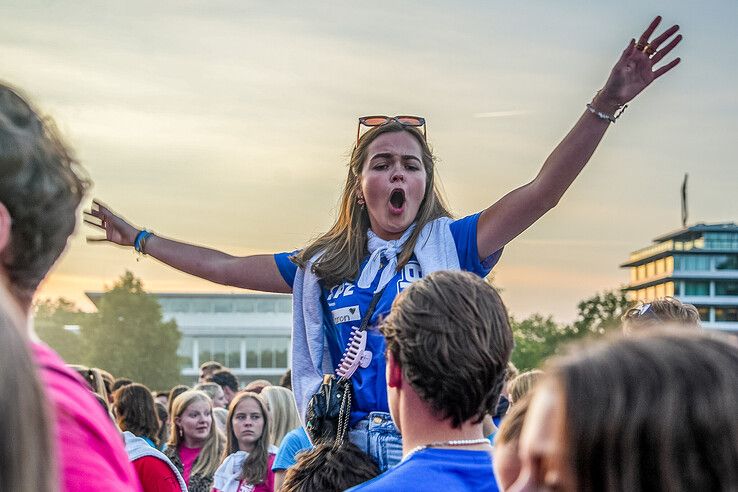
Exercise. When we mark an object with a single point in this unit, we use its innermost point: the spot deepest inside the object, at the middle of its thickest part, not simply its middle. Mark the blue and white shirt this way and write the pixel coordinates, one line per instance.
(345, 304)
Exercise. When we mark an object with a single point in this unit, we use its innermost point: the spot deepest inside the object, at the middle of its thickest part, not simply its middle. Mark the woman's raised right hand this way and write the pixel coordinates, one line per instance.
(116, 229)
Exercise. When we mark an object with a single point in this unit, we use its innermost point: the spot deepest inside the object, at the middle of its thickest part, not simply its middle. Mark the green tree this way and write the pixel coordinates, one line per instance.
(128, 337)
(52, 323)
(538, 338)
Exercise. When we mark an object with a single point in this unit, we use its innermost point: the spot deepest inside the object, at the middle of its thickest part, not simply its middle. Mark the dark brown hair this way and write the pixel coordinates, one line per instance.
(224, 377)
(135, 411)
(655, 412)
(329, 469)
(254, 469)
(344, 246)
(451, 334)
(41, 185)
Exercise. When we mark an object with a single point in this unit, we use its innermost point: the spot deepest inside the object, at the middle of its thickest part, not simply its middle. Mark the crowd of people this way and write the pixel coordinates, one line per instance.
(393, 300)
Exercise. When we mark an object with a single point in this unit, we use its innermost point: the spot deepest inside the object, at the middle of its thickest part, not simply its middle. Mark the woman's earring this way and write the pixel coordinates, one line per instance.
(179, 431)
(360, 201)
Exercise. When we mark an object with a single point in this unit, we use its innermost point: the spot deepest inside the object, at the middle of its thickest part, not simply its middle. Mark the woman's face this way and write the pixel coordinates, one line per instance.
(195, 423)
(393, 183)
(247, 423)
(220, 399)
(542, 449)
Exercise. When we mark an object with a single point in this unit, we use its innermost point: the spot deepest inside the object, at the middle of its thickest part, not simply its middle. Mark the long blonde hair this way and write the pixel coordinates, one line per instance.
(209, 458)
(26, 457)
(344, 246)
(283, 411)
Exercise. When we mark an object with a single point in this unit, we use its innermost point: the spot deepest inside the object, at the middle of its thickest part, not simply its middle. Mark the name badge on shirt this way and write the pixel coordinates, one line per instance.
(345, 314)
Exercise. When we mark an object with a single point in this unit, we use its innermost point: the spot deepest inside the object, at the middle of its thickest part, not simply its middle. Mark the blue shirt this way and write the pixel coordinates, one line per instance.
(293, 443)
(344, 306)
(439, 470)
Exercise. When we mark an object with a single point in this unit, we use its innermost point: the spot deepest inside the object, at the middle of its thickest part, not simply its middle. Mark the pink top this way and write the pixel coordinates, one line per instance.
(266, 486)
(89, 449)
(188, 457)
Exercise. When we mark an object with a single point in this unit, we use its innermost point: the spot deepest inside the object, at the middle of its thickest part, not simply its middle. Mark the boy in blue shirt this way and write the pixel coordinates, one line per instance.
(448, 344)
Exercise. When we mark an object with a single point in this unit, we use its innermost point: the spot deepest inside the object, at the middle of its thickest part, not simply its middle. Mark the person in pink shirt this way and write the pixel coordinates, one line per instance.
(41, 186)
(248, 464)
(195, 445)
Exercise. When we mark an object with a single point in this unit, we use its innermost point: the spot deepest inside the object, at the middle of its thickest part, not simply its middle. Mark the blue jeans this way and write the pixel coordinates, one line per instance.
(378, 437)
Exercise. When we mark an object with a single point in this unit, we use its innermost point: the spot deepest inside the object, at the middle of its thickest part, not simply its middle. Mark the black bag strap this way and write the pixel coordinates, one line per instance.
(370, 309)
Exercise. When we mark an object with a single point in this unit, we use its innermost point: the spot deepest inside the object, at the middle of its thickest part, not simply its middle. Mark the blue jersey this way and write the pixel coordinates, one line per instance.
(345, 304)
(437, 470)
(294, 442)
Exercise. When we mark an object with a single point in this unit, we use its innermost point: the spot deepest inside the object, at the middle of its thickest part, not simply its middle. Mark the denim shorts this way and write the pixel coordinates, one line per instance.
(378, 437)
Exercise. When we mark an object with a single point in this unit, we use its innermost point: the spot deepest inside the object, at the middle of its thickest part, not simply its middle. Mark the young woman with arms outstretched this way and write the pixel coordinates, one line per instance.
(392, 228)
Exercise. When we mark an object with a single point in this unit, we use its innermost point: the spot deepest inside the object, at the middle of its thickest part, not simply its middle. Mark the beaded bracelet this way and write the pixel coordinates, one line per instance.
(604, 116)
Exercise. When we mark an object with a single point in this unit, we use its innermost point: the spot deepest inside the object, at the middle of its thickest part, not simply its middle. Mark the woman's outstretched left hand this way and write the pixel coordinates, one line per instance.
(634, 71)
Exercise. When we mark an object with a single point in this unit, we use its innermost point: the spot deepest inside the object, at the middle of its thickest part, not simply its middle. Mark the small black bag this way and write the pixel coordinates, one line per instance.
(329, 410)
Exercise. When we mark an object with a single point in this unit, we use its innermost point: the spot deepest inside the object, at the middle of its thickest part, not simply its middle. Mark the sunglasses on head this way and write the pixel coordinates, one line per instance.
(372, 121)
(643, 312)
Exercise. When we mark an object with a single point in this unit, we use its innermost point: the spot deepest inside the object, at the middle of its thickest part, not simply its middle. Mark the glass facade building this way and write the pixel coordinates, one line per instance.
(698, 265)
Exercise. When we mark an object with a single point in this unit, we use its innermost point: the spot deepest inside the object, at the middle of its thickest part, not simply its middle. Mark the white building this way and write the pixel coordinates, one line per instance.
(248, 333)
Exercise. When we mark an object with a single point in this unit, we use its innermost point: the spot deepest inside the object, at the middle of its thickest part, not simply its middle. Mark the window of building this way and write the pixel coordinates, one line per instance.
(669, 286)
(726, 262)
(669, 261)
(704, 313)
(223, 306)
(244, 306)
(184, 352)
(660, 266)
(726, 314)
(641, 272)
(650, 293)
(692, 263)
(650, 269)
(660, 290)
(267, 352)
(696, 288)
(726, 288)
(633, 275)
(226, 350)
(721, 240)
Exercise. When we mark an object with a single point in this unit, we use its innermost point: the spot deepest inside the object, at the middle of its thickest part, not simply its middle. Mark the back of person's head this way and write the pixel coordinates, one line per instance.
(220, 416)
(329, 469)
(41, 186)
(210, 389)
(94, 381)
(174, 393)
(225, 379)
(660, 312)
(209, 367)
(506, 461)
(451, 336)
(135, 411)
(120, 382)
(254, 468)
(109, 381)
(286, 380)
(210, 453)
(521, 385)
(26, 454)
(655, 411)
(161, 411)
(283, 411)
(257, 386)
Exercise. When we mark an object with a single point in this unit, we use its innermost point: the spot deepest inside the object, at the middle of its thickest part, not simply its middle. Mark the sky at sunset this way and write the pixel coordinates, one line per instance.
(229, 124)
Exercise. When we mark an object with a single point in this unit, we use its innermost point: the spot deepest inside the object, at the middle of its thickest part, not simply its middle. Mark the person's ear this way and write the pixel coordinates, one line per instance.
(5, 227)
(394, 372)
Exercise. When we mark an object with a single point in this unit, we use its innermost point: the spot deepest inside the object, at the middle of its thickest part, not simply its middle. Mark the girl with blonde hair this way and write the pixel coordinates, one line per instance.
(195, 445)
(283, 412)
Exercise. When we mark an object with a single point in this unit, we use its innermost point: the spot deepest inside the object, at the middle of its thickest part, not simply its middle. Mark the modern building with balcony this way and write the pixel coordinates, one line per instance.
(697, 265)
(248, 333)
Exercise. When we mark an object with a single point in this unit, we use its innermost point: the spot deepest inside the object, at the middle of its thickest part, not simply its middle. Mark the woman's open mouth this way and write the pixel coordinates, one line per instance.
(397, 201)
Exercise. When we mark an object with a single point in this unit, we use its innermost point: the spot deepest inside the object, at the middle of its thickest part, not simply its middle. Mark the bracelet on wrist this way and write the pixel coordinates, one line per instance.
(610, 117)
(140, 242)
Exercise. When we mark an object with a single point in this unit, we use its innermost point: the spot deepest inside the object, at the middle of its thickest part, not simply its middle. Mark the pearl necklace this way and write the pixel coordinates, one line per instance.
(453, 442)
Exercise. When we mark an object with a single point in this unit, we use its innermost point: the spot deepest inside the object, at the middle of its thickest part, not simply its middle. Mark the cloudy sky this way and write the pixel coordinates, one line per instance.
(229, 123)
